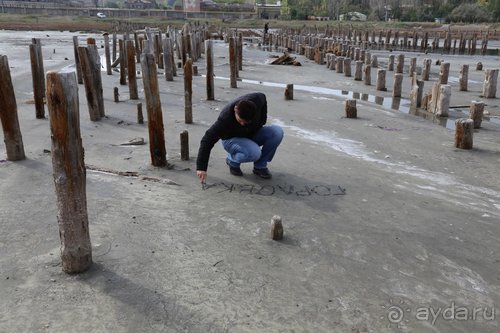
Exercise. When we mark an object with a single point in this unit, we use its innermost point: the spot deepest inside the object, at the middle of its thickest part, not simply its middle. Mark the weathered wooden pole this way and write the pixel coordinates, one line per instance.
(132, 80)
(168, 58)
(276, 228)
(38, 75)
(140, 116)
(114, 46)
(374, 61)
(8, 114)
(77, 60)
(443, 101)
(463, 78)
(69, 172)
(426, 69)
(188, 91)
(413, 66)
(381, 80)
(116, 95)
(400, 63)
(240, 51)
(350, 109)
(107, 54)
(479, 66)
(91, 72)
(358, 73)
(184, 138)
(209, 53)
(490, 83)
(153, 104)
(232, 61)
(463, 133)
(289, 92)
(368, 75)
(476, 113)
(347, 67)
(123, 62)
(398, 85)
(390, 65)
(444, 72)
(340, 65)
(416, 93)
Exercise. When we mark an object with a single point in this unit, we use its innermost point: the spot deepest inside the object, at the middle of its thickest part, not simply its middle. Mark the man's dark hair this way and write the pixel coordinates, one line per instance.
(246, 109)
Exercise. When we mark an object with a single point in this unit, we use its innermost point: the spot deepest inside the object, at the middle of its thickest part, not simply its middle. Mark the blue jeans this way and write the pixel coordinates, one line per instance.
(242, 150)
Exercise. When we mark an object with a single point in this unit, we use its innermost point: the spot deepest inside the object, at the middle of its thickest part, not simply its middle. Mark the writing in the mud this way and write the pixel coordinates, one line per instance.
(269, 190)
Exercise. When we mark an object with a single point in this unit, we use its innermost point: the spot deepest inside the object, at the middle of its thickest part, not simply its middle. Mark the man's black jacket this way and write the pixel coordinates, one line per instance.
(227, 127)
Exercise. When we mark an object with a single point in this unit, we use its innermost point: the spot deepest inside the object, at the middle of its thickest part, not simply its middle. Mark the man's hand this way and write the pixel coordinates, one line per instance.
(203, 175)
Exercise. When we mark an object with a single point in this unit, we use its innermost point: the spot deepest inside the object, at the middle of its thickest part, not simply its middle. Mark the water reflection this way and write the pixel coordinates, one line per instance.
(391, 103)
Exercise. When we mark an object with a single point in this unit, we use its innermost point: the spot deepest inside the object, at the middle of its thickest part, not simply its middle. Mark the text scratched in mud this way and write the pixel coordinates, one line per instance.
(275, 189)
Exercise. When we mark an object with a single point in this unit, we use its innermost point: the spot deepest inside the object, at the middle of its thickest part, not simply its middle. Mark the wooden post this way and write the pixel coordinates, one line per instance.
(340, 65)
(132, 81)
(77, 60)
(91, 71)
(350, 109)
(37, 73)
(188, 91)
(358, 74)
(347, 67)
(240, 51)
(476, 113)
(390, 65)
(107, 54)
(123, 62)
(114, 46)
(8, 114)
(232, 61)
(374, 61)
(153, 104)
(184, 137)
(463, 77)
(69, 172)
(381, 80)
(416, 93)
(140, 116)
(479, 66)
(444, 100)
(276, 228)
(289, 92)
(168, 57)
(413, 66)
(490, 83)
(398, 83)
(463, 133)
(426, 69)
(138, 49)
(368, 74)
(116, 95)
(444, 72)
(400, 64)
(209, 53)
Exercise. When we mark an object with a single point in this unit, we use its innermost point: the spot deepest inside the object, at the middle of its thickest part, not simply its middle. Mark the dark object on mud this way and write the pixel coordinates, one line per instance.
(285, 59)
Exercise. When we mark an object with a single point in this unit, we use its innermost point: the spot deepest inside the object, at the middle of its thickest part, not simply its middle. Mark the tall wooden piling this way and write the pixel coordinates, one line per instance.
(38, 76)
(426, 69)
(188, 91)
(69, 172)
(153, 105)
(140, 116)
(107, 54)
(413, 66)
(233, 62)
(350, 109)
(91, 72)
(390, 64)
(443, 103)
(77, 60)
(8, 114)
(347, 67)
(123, 63)
(367, 74)
(209, 53)
(168, 59)
(400, 63)
(358, 73)
(132, 80)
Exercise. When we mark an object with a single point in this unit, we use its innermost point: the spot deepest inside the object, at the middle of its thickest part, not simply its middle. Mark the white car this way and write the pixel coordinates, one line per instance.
(101, 15)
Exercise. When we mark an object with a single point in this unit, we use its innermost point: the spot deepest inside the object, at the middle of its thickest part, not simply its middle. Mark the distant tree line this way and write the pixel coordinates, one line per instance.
(465, 11)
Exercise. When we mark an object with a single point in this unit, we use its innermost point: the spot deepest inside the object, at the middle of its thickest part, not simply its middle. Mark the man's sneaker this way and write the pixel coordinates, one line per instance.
(262, 173)
(235, 171)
